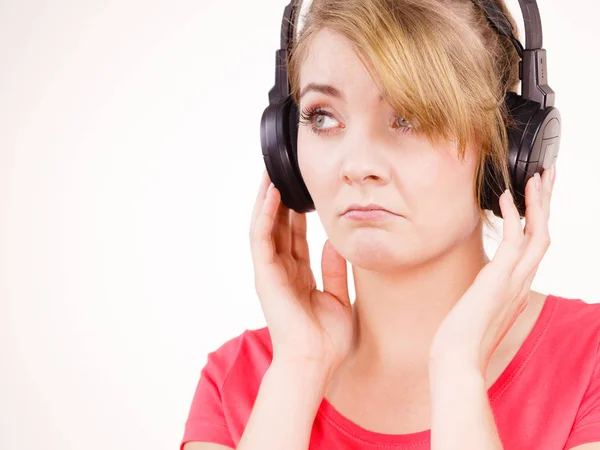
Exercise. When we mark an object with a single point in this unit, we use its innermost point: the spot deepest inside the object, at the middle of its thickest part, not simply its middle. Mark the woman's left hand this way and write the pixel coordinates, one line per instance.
(472, 330)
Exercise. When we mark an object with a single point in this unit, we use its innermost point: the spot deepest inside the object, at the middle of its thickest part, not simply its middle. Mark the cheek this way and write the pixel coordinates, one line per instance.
(303, 158)
(318, 171)
(441, 188)
(305, 161)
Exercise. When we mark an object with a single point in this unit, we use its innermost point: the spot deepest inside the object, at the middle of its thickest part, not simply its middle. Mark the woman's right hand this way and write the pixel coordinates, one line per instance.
(306, 325)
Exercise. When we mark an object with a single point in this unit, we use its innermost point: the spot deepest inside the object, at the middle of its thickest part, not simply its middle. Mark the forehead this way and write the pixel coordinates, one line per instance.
(331, 60)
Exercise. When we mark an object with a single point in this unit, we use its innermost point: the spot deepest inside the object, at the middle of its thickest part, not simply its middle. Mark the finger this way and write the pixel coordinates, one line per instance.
(547, 188)
(538, 236)
(335, 274)
(511, 247)
(261, 239)
(534, 212)
(260, 196)
(282, 231)
(299, 242)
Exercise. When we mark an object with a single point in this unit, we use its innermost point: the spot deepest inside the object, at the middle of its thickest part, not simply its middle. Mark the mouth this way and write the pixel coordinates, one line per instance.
(368, 213)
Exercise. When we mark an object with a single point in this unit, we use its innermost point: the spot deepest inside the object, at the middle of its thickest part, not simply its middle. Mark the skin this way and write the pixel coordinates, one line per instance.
(409, 269)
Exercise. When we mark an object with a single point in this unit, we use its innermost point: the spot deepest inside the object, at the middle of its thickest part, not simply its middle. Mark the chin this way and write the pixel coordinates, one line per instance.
(378, 250)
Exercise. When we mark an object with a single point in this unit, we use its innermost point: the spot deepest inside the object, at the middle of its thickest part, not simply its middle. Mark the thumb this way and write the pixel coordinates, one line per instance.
(335, 274)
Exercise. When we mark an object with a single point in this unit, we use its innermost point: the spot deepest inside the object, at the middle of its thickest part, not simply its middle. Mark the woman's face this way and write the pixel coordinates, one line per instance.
(368, 154)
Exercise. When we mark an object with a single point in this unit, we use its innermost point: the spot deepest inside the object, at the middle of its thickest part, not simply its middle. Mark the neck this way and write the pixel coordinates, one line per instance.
(396, 315)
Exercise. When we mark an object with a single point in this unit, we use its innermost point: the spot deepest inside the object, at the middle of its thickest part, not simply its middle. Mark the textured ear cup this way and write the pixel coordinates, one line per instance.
(493, 183)
(533, 143)
(278, 136)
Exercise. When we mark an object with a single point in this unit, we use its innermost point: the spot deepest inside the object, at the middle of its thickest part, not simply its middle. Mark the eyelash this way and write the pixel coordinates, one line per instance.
(308, 114)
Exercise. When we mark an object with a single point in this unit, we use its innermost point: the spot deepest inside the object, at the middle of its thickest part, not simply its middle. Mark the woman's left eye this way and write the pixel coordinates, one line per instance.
(405, 126)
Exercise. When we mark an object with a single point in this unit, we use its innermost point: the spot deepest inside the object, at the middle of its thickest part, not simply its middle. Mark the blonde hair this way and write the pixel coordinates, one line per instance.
(438, 63)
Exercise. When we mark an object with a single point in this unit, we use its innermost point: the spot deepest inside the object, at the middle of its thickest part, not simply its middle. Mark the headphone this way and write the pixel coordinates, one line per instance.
(533, 141)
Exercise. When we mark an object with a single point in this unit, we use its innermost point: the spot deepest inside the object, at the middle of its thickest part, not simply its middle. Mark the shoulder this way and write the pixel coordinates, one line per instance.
(575, 378)
(250, 340)
(573, 334)
(577, 316)
(250, 350)
(228, 387)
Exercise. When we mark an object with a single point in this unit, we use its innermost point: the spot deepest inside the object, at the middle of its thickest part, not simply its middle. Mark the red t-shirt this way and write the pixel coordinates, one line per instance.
(548, 397)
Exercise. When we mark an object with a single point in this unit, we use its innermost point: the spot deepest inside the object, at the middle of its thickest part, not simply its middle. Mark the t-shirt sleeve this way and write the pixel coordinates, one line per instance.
(586, 428)
(207, 421)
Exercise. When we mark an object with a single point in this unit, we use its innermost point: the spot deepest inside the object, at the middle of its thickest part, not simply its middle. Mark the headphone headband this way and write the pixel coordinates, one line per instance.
(532, 68)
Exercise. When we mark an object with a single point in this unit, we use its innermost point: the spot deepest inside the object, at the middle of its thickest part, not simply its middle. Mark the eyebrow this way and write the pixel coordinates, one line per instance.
(326, 89)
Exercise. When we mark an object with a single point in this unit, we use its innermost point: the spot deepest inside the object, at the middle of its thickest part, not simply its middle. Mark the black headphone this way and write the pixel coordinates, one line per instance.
(533, 141)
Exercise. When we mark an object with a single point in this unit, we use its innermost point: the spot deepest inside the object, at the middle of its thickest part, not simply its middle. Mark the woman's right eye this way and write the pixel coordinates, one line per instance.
(306, 117)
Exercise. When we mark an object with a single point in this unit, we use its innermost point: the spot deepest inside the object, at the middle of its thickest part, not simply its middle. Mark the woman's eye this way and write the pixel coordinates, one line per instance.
(403, 124)
(316, 119)
(320, 120)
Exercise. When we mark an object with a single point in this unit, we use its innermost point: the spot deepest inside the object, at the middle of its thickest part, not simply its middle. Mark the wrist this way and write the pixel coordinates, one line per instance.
(312, 366)
(310, 375)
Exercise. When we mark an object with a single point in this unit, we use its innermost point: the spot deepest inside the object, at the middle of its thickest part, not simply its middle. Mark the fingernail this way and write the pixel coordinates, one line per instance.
(553, 173)
(537, 183)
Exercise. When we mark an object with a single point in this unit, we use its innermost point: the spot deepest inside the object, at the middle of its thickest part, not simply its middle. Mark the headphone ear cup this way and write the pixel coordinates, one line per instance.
(533, 142)
(279, 136)
(521, 112)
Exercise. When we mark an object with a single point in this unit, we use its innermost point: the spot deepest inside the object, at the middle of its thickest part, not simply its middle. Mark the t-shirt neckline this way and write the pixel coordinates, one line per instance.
(419, 438)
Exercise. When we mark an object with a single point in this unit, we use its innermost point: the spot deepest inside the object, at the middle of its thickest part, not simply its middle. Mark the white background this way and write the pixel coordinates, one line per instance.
(129, 163)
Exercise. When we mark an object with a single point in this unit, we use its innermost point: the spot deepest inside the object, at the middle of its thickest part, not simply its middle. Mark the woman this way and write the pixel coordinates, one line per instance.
(442, 348)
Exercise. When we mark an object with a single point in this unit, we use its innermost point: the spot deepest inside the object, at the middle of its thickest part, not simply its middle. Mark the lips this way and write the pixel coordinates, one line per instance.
(368, 214)
(369, 207)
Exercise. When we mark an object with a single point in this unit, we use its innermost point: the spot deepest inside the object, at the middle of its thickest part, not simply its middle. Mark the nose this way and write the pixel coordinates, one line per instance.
(363, 163)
